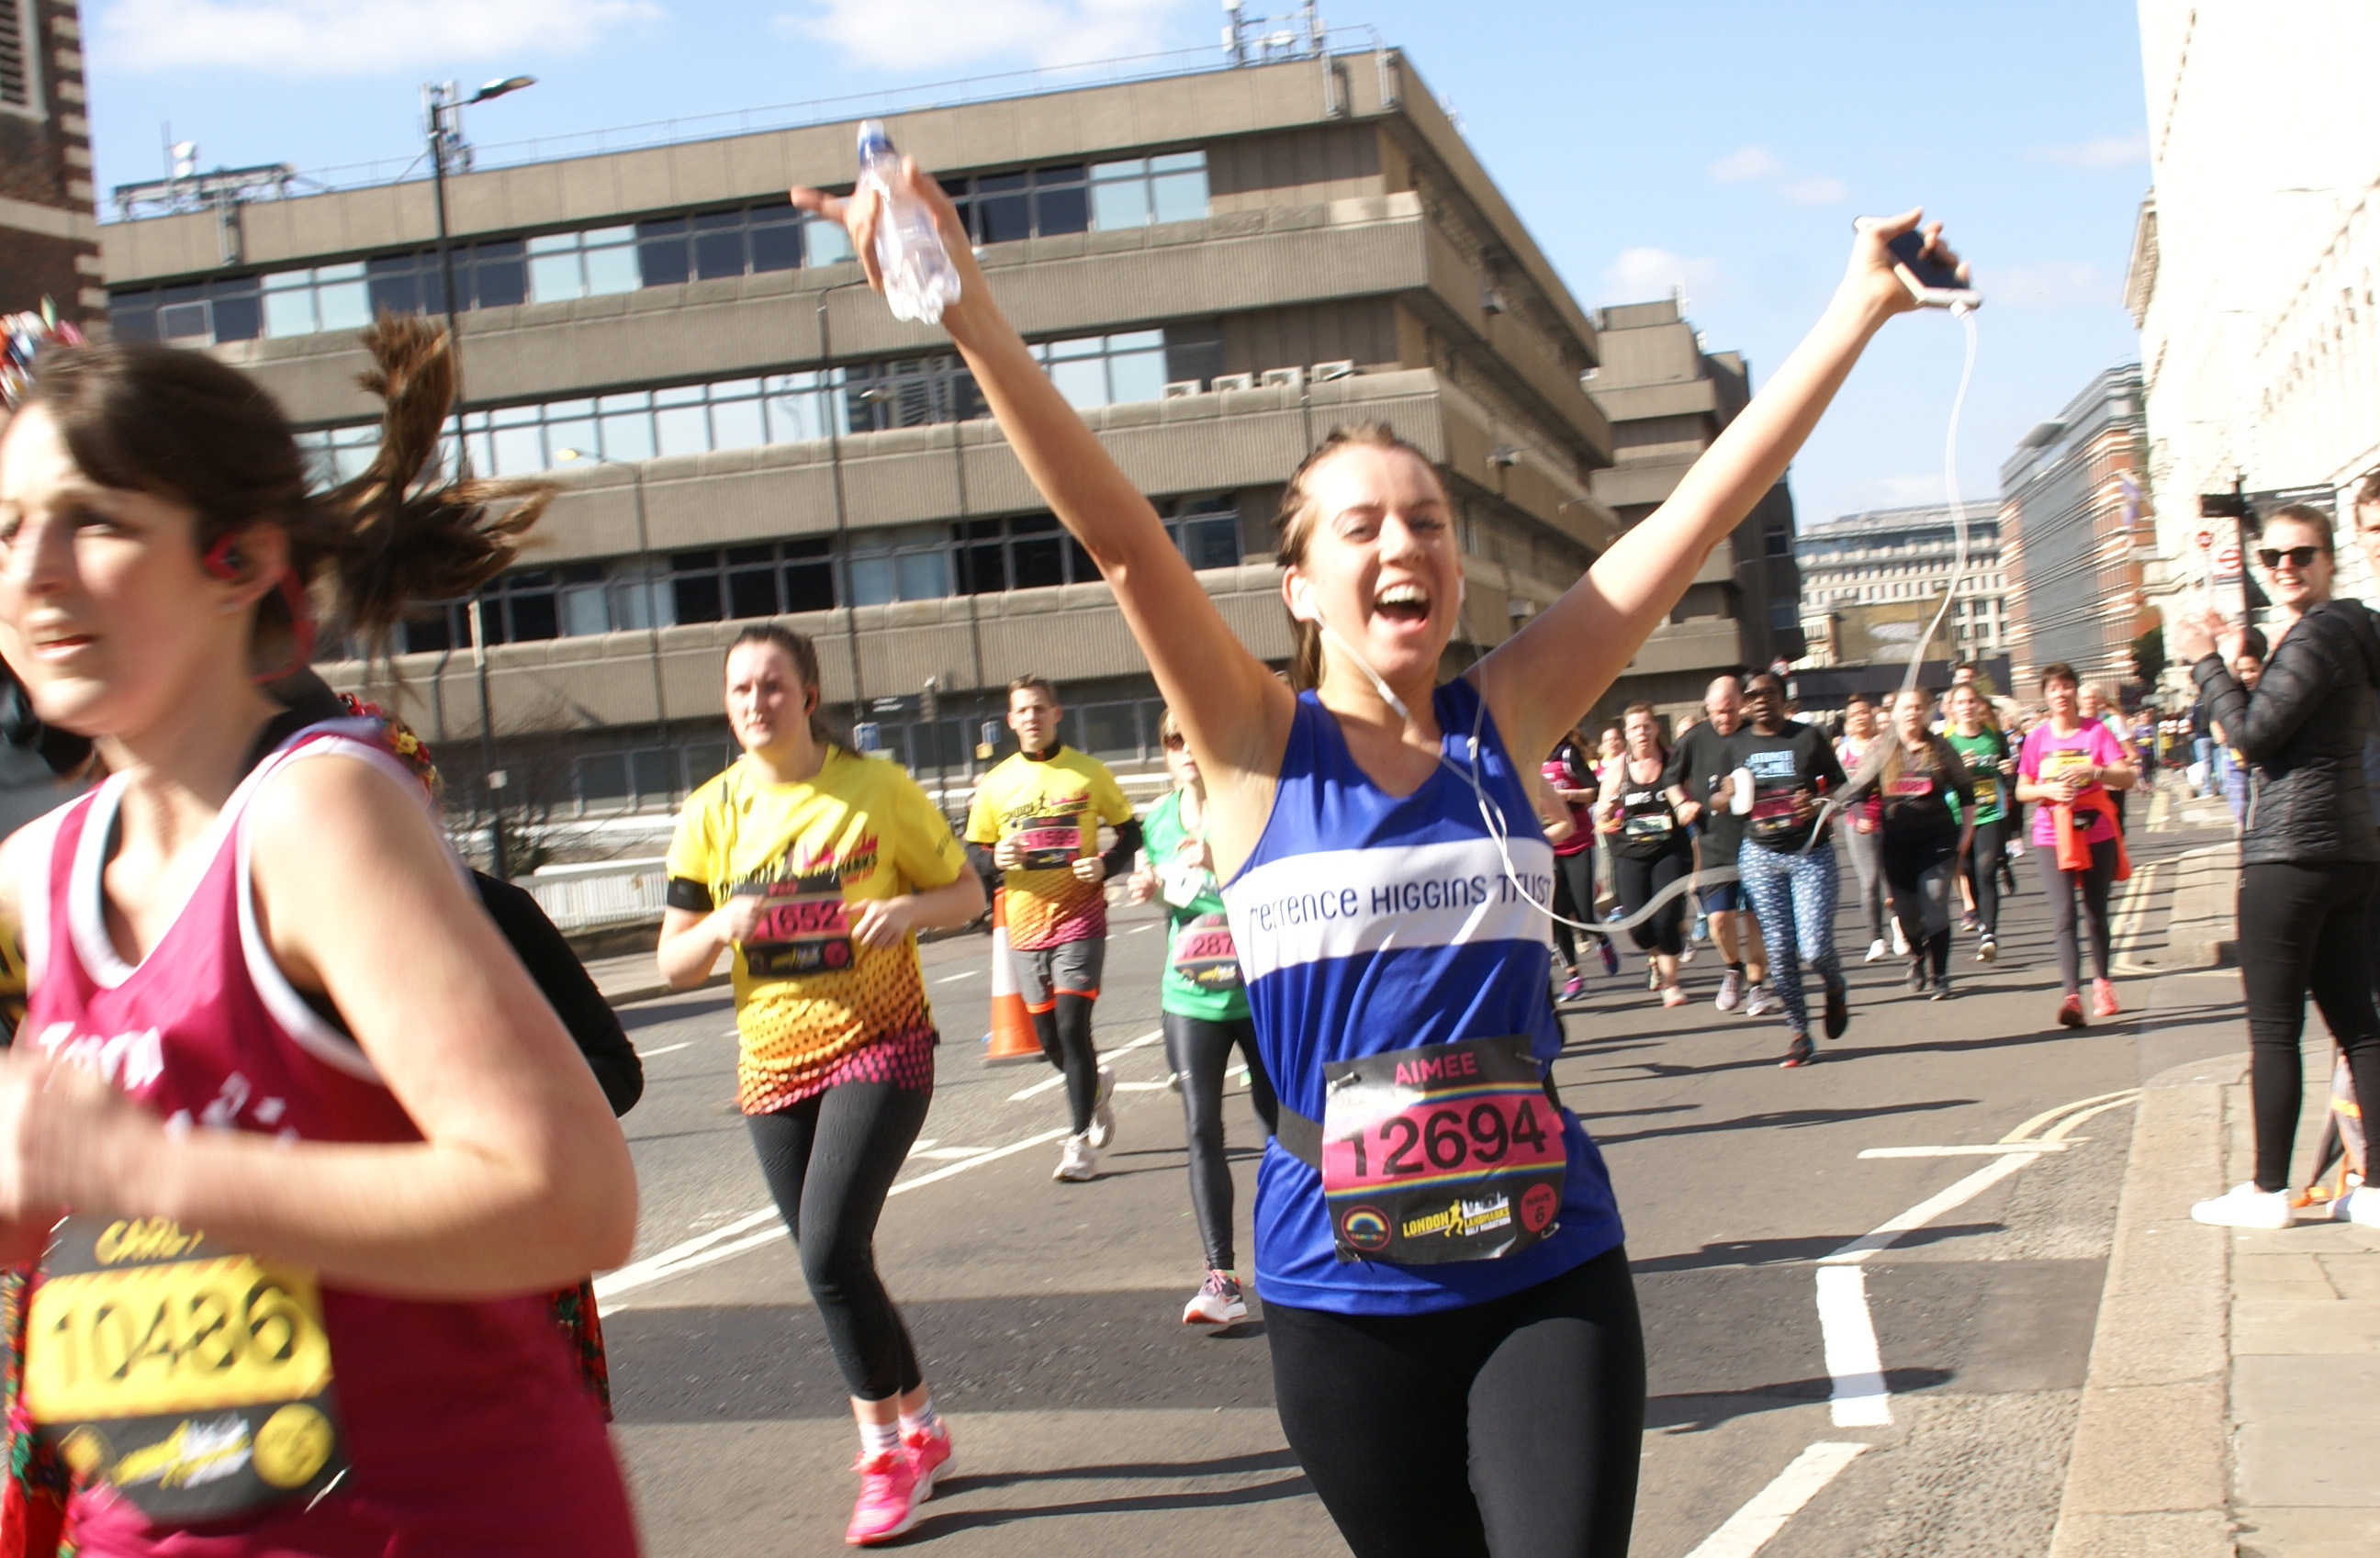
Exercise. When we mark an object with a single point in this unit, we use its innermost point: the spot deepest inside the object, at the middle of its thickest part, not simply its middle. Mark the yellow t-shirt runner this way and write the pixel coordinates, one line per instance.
(813, 1007)
(1053, 806)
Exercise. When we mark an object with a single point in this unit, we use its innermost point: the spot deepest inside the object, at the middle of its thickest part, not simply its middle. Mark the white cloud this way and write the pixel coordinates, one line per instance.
(1747, 164)
(2102, 152)
(2058, 284)
(1758, 164)
(1642, 274)
(348, 37)
(896, 34)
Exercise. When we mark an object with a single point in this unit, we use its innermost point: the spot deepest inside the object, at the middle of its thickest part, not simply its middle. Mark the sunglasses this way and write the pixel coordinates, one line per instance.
(1175, 743)
(2300, 558)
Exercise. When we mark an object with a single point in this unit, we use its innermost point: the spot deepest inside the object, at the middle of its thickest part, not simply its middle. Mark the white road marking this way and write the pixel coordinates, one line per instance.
(1138, 929)
(763, 1228)
(2057, 1133)
(955, 978)
(1966, 1150)
(1749, 1528)
(944, 1154)
(2042, 1118)
(1887, 1233)
(1021, 1094)
(665, 1049)
(1860, 1397)
(2129, 913)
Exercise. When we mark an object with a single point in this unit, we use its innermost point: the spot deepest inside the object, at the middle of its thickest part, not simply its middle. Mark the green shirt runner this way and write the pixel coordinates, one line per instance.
(1202, 975)
(1984, 752)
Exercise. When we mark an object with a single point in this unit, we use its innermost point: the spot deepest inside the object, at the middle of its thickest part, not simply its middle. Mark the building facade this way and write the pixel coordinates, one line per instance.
(1216, 267)
(1667, 398)
(2077, 534)
(1867, 567)
(2254, 261)
(49, 237)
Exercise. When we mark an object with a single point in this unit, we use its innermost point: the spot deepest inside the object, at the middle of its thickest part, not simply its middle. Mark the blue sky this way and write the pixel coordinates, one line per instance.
(1722, 145)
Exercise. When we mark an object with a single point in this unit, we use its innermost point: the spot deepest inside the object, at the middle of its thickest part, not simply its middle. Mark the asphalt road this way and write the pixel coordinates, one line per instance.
(1089, 1421)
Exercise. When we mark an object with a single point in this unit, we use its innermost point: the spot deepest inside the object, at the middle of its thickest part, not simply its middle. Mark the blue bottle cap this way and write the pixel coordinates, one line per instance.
(872, 139)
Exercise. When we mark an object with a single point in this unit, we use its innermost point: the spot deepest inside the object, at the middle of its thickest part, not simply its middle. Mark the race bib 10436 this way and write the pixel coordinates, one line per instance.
(194, 1381)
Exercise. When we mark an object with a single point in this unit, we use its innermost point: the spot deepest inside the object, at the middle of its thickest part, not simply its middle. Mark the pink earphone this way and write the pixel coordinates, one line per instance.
(224, 562)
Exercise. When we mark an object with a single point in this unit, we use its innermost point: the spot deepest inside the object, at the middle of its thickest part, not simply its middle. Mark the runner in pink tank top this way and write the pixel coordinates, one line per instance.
(318, 1144)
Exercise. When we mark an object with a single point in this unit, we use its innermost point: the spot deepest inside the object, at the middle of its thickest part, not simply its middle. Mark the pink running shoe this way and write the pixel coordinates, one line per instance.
(890, 1492)
(929, 1454)
(2103, 1000)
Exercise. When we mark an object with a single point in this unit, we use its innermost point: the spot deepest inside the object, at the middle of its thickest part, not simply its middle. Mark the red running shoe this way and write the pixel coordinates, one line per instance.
(890, 1492)
(928, 1450)
(2069, 1011)
(2103, 1000)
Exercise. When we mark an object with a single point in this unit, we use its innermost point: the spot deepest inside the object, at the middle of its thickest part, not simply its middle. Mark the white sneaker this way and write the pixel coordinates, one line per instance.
(1875, 949)
(1219, 1302)
(1079, 1160)
(1102, 1129)
(2244, 1206)
(2357, 1207)
(1761, 1001)
(1730, 991)
(1900, 941)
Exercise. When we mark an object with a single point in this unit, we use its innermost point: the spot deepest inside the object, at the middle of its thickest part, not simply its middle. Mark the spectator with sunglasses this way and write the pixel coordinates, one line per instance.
(2309, 857)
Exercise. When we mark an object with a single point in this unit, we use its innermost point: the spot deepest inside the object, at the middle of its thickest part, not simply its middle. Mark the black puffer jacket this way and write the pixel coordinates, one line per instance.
(2302, 733)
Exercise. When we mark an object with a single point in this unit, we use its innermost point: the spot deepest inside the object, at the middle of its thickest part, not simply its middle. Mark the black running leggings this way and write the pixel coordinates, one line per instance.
(1573, 899)
(1509, 1429)
(1982, 870)
(2059, 888)
(1640, 881)
(830, 1160)
(1065, 1034)
(2304, 930)
(1199, 1051)
(1918, 871)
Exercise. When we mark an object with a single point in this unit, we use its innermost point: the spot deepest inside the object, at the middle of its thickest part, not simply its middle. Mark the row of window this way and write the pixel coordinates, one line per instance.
(637, 425)
(730, 584)
(666, 251)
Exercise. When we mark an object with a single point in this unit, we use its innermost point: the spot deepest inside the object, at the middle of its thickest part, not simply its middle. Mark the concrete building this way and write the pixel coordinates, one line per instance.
(49, 237)
(2254, 261)
(1667, 398)
(1216, 266)
(2077, 534)
(1888, 558)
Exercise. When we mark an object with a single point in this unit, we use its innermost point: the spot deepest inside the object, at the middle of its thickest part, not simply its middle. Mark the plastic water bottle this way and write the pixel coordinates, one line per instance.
(919, 280)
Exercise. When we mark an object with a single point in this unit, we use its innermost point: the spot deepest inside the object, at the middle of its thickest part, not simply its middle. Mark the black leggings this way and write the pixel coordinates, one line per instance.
(1199, 1050)
(1573, 899)
(830, 1160)
(1982, 870)
(2059, 888)
(1065, 1034)
(1510, 1428)
(1918, 871)
(1640, 881)
(2303, 929)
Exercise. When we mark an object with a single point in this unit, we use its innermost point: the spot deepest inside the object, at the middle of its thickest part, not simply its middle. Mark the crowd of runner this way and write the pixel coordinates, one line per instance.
(262, 999)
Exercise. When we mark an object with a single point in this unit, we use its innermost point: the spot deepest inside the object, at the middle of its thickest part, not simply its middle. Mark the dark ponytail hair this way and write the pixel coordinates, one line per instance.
(797, 647)
(183, 425)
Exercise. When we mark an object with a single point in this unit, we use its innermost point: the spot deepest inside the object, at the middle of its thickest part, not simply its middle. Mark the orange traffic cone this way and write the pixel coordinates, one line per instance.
(1012, 1026)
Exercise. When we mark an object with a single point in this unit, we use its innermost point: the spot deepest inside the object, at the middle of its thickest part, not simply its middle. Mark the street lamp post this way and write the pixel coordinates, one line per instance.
(440, 105)
(645, 564)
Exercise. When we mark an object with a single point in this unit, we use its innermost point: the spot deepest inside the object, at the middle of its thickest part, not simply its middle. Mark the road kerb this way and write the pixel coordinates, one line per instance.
(2151, 1469)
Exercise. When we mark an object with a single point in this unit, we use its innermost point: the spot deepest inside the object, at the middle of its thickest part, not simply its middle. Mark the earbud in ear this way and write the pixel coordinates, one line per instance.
(1461, 590)
(224, 561)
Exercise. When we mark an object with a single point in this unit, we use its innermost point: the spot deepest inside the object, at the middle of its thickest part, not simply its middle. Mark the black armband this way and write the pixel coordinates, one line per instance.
(986, 869)
(690, 895)
(1119, 859)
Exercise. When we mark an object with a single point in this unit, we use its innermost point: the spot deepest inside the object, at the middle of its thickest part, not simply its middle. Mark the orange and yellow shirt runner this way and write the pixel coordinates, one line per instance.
(808, 997)
(1052, 807)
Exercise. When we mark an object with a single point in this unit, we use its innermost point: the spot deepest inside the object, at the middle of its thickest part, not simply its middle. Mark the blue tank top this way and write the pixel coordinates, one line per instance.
(1368, 923)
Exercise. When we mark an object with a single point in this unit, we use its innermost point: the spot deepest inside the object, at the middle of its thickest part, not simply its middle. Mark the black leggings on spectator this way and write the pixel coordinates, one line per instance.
(1510, 1428)
(1199, 1049)
(1982, 869)
(1065, 1034)
(830, 1160)
(2060, 887)
(2304, 930)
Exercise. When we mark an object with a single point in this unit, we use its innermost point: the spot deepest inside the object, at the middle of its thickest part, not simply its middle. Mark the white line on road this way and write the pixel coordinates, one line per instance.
(1966, 1150)
(1749, 1528)
(2042, 1118)
(1888, 1232)
(665, 1049)
(2056, 1135)
(2129, 914)
(955, 978)
(1021, 1094)
(1860, 1398)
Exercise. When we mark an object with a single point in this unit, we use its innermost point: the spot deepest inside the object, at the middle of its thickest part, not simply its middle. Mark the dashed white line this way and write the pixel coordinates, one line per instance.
(1749, 1528)
(1860, 1398)
(665, 1049)
(955, 978)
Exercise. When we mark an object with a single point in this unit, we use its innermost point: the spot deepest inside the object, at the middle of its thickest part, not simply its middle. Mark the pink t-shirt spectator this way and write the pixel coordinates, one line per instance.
(2093, 745)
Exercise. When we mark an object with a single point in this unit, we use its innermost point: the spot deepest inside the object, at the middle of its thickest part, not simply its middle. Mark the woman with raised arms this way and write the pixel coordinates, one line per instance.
(1455, 1345)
